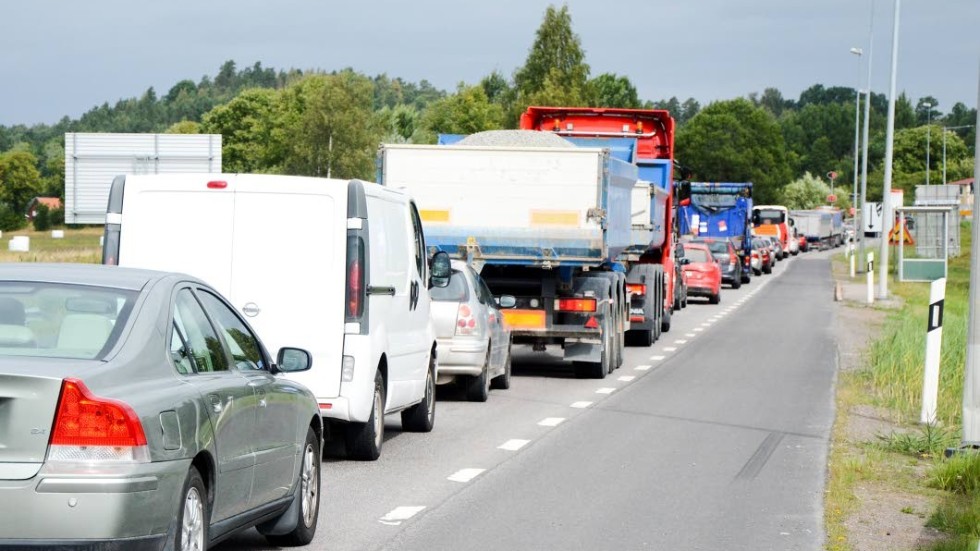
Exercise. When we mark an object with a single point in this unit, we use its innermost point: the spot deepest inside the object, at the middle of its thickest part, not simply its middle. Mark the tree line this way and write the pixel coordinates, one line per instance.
(330, 124)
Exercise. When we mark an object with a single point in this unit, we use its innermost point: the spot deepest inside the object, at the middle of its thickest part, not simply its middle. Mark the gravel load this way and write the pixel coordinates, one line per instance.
(515, 138)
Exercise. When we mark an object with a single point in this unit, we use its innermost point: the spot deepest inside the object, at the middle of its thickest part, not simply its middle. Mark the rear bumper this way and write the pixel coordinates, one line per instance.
(693, 291)
(460, 356)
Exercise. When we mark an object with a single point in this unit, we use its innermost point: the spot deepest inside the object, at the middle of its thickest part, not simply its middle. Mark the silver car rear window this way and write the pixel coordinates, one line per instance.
(61, 321)
(456, 291)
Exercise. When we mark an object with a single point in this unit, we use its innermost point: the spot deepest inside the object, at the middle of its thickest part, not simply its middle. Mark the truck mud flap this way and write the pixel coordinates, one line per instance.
(583, 351)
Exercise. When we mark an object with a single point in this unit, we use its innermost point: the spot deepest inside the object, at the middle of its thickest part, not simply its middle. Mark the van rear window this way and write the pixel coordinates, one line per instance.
(456, 291)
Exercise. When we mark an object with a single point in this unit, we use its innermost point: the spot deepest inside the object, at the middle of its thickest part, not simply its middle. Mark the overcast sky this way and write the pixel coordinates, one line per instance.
(63, 57)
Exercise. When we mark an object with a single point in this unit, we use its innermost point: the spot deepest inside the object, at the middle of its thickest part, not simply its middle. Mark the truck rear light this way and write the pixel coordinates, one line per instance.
(355, 278)
(92, 429)
(465, 322)
(637, 288)
(575, 304)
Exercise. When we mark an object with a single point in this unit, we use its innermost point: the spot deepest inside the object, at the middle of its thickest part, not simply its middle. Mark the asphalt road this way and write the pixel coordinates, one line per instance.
(715, 437)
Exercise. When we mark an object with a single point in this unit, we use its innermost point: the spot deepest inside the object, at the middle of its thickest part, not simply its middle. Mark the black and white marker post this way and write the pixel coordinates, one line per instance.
(871, 277)
(934, 345)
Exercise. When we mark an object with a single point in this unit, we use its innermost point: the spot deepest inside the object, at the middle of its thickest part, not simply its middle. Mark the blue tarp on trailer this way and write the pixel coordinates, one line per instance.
(718, 210)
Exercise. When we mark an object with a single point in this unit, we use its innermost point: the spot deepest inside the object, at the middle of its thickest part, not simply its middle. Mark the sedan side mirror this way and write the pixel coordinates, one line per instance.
(440, 270)
(685, 261)
(293, 360)
(506, 301)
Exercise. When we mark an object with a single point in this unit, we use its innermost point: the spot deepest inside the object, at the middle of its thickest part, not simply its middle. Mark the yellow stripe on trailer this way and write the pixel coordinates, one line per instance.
(430, 215)
(554, 218)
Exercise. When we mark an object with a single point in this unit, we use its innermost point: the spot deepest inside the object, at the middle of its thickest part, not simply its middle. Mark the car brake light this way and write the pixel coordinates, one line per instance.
(575, 305)
(465, 322)
(732, 258)
(355, 278)
(637, 288)
(92, 429)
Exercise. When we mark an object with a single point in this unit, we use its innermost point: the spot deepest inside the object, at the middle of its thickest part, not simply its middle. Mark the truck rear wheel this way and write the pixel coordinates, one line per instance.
(651, 276)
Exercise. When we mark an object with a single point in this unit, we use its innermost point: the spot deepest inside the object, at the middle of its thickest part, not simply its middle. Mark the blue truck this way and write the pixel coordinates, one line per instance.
(718, 209)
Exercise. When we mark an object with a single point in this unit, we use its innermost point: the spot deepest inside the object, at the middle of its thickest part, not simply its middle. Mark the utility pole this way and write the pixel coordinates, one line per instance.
(886, 199)
(971, 386)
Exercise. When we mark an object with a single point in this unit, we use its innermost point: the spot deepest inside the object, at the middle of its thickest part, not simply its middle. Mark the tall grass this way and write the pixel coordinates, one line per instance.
(897, 360)
(78, 245)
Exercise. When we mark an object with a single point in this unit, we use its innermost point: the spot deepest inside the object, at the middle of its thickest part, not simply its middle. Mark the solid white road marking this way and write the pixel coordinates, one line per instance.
(581, 405)
(626, 378)
(657, 358)
(551, 421)
(642, 367)
(513, 445)
(399, 514)
(605, 390)
(465, 475)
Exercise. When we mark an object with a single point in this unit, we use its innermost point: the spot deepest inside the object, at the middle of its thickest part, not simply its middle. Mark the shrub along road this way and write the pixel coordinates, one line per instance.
(714, 437)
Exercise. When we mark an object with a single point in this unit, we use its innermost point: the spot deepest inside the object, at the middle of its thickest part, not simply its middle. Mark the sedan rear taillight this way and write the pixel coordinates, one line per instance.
(465, 322)
(89, 429)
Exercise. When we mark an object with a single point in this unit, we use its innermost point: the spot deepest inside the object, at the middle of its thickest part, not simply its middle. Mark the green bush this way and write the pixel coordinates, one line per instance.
(42, 218)
(10, 219)
(57, 217)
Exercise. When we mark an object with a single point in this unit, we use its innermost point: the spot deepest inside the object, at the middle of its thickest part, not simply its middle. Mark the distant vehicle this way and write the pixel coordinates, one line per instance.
(141, 411)
(776, 248)
(772, 220)
(474, 341)
(762, 250)
(350, 282)
(725, 253)
(702, 273)
(718, 210)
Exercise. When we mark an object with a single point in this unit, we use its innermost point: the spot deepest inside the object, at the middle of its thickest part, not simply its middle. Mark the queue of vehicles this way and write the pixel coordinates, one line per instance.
(164, 403)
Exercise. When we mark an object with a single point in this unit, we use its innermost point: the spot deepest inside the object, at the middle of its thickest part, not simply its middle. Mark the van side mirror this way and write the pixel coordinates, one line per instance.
(506, 301)
(292, 360)
(440, 270)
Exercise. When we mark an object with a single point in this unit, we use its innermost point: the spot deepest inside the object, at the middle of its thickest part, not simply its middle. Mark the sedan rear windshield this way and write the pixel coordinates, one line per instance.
(696, 255)
(61, 321)
(718, 247)
(456, 291)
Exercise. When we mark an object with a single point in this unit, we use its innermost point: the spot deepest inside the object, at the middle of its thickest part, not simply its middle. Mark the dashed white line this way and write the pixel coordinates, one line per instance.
(626, 378)
(698, 330)
(642, 367)
(605, 390)
(551, 421)
(400, 514)
(580, 405)
(680, 341)
(513, 445)
(692, 335)
(669, 349)
(657, 358)
(465, 475)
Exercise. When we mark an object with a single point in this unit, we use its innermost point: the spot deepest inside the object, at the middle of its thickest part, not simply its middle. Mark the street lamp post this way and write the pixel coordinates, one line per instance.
(857, 123)
(865, 132)
(886, 191)
(928, 107)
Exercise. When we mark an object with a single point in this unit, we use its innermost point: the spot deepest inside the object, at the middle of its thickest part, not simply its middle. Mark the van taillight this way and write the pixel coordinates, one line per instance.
(88, 428)
(355, 278)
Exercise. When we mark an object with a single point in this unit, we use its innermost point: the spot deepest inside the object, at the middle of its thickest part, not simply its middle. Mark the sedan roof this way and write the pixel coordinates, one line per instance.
(80, 274)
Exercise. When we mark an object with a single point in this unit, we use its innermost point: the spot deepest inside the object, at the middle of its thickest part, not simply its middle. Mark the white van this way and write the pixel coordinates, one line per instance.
(334, 266)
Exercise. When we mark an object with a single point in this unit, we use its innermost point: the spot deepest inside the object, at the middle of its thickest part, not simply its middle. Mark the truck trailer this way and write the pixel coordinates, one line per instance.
(542, 223)
(718, 209)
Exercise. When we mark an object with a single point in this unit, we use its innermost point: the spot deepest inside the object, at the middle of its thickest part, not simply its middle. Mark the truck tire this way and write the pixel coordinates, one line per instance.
(364, 440)
(422, 416)
(648, 275)
(617, 293)
(599, 370)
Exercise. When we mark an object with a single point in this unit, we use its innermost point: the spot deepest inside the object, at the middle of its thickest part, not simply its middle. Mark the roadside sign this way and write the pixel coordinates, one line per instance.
(831, 198)
(893, 236)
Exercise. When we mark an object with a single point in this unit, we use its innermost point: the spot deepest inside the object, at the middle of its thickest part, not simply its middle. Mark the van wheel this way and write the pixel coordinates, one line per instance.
(502, 381)
(193, 515)
(422, 416)
(364, 439)
(478, 387)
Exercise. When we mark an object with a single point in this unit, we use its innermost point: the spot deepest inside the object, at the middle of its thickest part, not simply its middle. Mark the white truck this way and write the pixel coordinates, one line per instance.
(92, 160)
(816, 226)
(543, 224)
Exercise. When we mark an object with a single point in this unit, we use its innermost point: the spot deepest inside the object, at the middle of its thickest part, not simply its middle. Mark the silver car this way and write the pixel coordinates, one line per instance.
(138, 410)
(473, 340)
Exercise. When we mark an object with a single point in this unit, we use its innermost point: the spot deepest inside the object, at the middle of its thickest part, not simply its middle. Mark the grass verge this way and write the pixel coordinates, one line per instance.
(77, 245)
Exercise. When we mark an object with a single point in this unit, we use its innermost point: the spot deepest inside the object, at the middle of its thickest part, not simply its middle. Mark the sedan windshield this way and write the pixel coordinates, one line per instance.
(61, 321)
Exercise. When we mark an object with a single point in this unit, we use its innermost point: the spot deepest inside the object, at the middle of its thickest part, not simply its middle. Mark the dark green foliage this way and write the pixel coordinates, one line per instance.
(10, 219)
(42, 218)
(57, 217)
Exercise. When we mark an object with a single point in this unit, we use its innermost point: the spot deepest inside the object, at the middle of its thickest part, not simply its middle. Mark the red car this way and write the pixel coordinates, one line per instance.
(702, 273)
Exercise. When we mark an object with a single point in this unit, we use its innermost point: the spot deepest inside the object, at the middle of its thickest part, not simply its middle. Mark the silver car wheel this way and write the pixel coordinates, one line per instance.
(309, 486)
(192, 529)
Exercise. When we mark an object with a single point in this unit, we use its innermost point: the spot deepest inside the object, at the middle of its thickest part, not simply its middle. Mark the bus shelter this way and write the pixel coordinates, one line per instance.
(931, 235)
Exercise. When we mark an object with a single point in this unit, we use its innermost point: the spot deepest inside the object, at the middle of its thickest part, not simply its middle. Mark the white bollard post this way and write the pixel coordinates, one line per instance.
(934, 345)
(853, 262)
(871, 278)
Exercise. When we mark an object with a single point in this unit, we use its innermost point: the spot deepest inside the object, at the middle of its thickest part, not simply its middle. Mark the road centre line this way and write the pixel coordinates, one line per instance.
(692, 335)
(580, 405)
(657, 358)
(626, 378)
(605, 390)
(670, 349)
(698, 330)
(513, 445)
(680, 341)
(551, 421)
(465, 475)
(399, 514)
(642, 368)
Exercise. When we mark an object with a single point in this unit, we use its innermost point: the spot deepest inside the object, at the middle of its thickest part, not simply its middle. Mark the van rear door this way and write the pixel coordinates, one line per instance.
(288, 264)
(179, 222)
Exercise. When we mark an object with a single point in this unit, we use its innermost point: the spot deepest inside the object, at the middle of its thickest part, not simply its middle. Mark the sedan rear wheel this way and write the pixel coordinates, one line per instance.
(193, 514)
(502, 381)
(478, 386)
